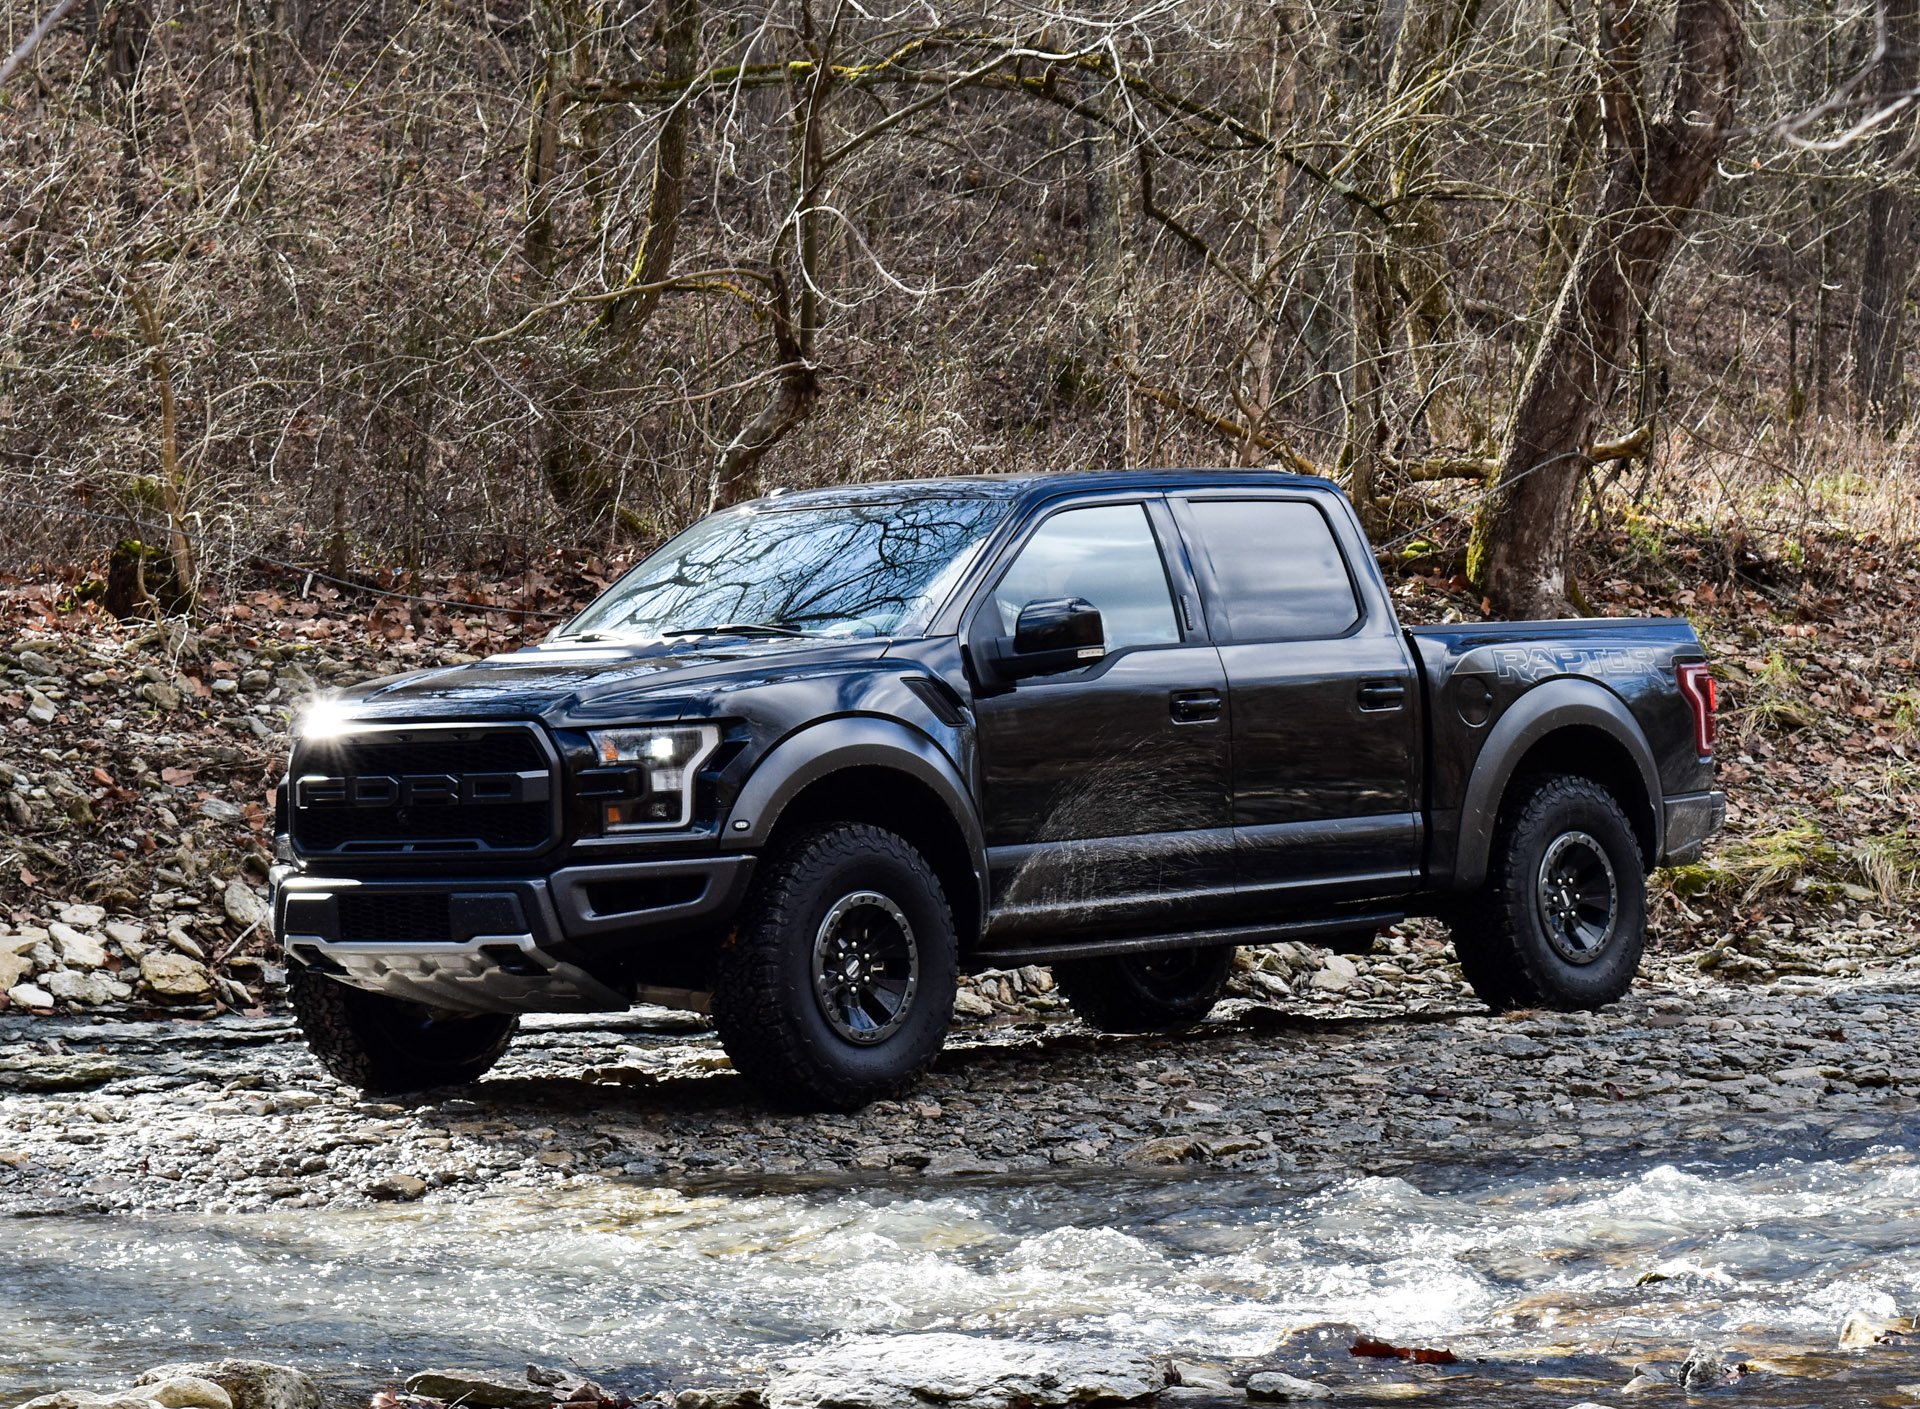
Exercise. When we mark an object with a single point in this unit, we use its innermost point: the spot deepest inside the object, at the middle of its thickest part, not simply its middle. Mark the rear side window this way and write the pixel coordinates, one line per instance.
(1279, 571)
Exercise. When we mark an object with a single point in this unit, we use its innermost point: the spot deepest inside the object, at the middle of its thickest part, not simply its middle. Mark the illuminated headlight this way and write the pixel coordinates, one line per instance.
(324, 718)
(668, 760)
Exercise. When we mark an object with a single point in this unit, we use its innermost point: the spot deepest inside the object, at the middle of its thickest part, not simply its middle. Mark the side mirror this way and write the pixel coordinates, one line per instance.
(1050, 637)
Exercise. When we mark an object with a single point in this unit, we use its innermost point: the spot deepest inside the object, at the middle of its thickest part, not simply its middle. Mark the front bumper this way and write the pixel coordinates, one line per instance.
(523, 944)
(1690, 819)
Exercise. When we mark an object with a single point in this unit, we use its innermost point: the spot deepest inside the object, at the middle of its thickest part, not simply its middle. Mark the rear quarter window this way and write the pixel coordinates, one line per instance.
(1278, 572)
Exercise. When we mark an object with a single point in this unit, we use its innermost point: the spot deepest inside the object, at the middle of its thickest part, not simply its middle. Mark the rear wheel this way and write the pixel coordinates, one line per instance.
(1161, 991)
(837, 988)
(386, 1045)
(1561, 920)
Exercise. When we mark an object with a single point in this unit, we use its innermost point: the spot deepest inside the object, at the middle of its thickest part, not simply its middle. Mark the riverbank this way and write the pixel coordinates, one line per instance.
(1707, 1174)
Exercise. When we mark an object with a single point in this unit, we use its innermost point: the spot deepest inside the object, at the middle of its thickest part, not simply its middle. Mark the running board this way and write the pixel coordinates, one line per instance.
(1193, 939)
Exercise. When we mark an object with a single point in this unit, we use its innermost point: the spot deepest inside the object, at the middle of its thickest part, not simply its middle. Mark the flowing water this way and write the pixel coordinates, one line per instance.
(1529, 1273)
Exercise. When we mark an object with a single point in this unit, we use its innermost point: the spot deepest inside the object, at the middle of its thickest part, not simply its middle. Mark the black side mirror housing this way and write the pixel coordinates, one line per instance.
(1050, 637)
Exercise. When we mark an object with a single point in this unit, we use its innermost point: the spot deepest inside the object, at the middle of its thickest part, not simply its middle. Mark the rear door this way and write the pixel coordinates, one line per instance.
(1105, 789)
(1325, 703)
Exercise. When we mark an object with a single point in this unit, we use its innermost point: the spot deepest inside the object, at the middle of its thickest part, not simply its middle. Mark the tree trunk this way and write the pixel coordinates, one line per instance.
(1657, 173)
(1887, 256)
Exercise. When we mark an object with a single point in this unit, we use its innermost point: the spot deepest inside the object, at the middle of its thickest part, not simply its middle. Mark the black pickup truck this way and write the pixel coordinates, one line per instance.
(822, 752)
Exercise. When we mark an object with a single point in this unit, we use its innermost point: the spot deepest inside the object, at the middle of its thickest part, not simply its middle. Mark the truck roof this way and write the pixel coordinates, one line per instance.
(1037, 486)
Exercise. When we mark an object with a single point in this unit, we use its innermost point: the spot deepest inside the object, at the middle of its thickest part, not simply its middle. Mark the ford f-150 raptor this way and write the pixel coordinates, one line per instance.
(823, 752)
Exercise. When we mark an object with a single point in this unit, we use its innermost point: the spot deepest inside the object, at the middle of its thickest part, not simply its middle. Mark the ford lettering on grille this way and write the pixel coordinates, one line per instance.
(420, 789)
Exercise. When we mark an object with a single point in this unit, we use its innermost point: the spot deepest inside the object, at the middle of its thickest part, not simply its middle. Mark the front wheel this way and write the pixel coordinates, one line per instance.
(1162, 991)
(1561, 919)
(387, 1045)
(837, 988)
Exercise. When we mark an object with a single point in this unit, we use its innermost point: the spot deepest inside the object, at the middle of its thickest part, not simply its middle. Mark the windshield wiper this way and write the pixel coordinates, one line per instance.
(738, 628)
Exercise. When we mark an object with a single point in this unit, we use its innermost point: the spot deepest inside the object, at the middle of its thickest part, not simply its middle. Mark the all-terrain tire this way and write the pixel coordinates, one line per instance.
(1162, 991)
(1533, 935)
(387, 1045)
(788, 1029)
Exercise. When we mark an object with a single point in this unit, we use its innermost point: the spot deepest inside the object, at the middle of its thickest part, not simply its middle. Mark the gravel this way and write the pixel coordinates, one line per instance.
(232, 1114)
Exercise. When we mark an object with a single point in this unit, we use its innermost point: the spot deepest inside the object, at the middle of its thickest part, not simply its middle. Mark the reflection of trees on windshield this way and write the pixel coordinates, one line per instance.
(855, 569)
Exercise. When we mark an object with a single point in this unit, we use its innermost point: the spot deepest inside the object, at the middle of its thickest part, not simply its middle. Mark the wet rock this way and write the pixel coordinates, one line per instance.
(1196, 1375)
(189, 1392)
(61, 1072)
(175, 976)
(722, 1397)
(250, 1384)
(1272, 1384)
(1704, 1367)
(976, 1372)
(398, 1188)
(1862, 1330)
(87, 1399)
(488, 1389)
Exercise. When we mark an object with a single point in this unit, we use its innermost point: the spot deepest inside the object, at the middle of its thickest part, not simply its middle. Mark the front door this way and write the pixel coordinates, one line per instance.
(1106, 789)
(1326, 744)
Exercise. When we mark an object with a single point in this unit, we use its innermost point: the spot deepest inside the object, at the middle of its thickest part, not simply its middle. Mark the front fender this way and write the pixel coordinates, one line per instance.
(1547, 707)
(851, 741)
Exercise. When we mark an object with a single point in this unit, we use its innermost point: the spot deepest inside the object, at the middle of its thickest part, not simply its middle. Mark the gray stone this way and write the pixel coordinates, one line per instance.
(175, 976)
(29, 995)
(82, 917)
(1271, 1384)
(978, 1372)
(220, 810)
(189, 1392)
(488, 1389)
(242, 904)
(40, 709)
(71, 986)
(721, 1397)
(87, 1399)
(397, 1188)
(159, 695)
(250, 1384)
(78, 949)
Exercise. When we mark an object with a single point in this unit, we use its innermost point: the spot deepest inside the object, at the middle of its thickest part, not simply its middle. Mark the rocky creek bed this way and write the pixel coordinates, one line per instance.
(1705, 1177)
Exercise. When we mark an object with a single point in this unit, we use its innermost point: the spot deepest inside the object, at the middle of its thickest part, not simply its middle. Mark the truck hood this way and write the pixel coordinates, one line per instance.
(560, 681)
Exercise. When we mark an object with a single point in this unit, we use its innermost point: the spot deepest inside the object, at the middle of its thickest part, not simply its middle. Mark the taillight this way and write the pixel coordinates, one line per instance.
(1703, 698)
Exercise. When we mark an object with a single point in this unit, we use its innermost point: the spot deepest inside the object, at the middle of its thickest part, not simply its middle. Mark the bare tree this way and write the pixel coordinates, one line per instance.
(1658, 170)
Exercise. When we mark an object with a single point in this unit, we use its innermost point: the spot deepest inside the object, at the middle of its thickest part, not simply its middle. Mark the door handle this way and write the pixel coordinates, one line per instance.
(1382, 695)
(1194, 706)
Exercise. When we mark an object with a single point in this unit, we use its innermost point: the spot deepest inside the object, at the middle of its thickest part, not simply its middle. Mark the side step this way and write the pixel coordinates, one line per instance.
(1192, 939)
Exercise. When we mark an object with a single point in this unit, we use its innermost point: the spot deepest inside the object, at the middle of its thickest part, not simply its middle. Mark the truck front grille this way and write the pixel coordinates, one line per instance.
(423, 789)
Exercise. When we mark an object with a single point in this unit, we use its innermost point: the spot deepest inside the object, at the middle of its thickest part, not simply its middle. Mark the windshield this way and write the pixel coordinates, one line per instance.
(846, 570)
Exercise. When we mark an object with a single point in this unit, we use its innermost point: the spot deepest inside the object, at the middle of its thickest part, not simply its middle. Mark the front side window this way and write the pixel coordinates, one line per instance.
(1106, 554)
(870, 569)
(1279, 572)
